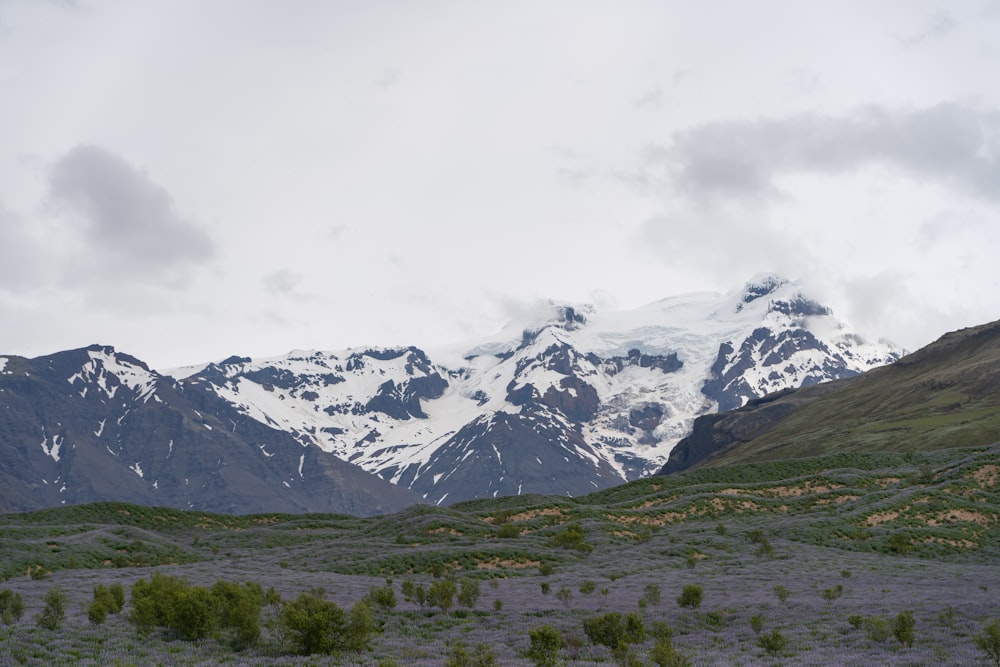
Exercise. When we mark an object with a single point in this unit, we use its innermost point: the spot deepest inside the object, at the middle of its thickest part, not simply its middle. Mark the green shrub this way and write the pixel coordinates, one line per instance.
(856, 620)
(468, 593)
(543, 650)
(54, 612)
(480, 656)
(313, 624)
(545, 569)
(194, 613)
(546, 588)
(238, 609)
(650, 595)
(153, 601)
(989, 641)
(664, 654)
(757, 623)
(571, 537)
(877, 628)
(899, 543)
(361, 627)
(509, 531)
(625, 656)
(614, 628)
(11, 606)
(564, 595)
(497, 604)
(442, 593)
(383, 597)
(588, 586)
(691, 596)
(415, 593)
(903, 628)
(781, 593)
(831, 594)
(773, 642)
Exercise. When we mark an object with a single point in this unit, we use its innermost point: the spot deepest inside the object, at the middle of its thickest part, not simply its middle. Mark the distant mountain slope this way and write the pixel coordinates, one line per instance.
(574, 401)
(944, 395)
(94, 424)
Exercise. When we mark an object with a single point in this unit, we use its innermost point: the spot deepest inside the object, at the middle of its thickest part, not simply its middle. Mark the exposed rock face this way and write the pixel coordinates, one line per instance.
(94, 424)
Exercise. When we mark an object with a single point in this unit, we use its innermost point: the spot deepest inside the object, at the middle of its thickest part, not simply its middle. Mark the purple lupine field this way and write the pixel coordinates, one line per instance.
(804, 563)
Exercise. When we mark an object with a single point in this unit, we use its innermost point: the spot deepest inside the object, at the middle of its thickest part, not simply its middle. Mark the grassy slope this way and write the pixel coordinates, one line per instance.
(945, 395)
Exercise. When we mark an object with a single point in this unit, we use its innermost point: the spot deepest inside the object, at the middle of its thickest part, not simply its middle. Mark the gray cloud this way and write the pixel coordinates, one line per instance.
(281, 281)
(951, 144)
(122, 213)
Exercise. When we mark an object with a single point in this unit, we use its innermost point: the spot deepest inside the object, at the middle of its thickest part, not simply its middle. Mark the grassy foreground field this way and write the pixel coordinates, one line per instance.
(807, 562)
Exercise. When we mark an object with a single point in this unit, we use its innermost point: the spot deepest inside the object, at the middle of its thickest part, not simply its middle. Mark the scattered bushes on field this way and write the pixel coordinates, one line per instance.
(192, 612)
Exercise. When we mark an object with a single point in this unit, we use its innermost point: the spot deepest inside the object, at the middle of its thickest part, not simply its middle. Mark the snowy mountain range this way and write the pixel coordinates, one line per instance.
(575, 401)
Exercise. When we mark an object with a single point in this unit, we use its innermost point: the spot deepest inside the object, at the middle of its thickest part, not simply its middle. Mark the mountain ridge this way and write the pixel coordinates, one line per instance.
(946, 394)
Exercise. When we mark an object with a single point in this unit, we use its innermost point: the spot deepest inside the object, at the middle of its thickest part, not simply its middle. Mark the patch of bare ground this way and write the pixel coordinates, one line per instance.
(962, 544)
(839, 500)
(987, 476)
(445, 529)
(806, 488)
(878, 518)
(888, 481)
(531, 514)
(957, 516)
(506, 564)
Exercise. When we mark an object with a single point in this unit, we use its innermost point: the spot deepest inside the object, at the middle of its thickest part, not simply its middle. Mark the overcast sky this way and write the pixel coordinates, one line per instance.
(187, 180)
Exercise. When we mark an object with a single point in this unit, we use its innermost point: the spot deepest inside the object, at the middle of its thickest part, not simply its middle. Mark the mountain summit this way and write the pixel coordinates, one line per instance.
(572, 402)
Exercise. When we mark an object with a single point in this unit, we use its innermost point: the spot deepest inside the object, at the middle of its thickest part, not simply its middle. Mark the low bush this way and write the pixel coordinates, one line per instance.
(481, 655)
(903, 628)
(468, 593)
(691, 596)
(988, 641)
(543, 650)
(773, 642)
(54, 612)
(11, 606)
(614, 628)
(877, 628)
